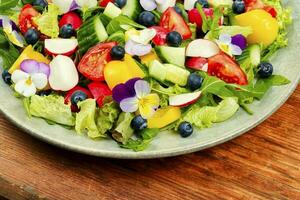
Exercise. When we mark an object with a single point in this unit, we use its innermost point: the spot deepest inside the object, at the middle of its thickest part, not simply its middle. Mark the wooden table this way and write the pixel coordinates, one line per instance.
(263, 163)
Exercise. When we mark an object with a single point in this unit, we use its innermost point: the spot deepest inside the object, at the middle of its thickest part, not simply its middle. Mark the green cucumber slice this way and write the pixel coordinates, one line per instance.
(172, 55)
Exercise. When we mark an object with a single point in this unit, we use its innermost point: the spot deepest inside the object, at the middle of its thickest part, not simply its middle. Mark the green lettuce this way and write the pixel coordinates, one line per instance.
(230, 30)
(122, 23)
(48, 21)
(51, 108)
(123, 130)
(106, 117)
(85, 119)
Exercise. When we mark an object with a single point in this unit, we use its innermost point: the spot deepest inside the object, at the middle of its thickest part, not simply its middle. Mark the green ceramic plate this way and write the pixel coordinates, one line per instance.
(170, 144)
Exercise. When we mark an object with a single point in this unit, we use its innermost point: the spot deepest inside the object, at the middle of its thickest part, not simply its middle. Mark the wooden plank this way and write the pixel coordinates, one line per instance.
(263, 163)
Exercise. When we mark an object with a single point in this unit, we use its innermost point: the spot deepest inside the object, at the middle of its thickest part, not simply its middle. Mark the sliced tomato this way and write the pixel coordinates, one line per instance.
(92, 63)
(271, 10)
(254, 4)
(161, 35)
(100, 91)
(173, 21)
(26, 18)
(71, 18)
(197, 63)
(69, 94)
(103, 3)
(225, 68)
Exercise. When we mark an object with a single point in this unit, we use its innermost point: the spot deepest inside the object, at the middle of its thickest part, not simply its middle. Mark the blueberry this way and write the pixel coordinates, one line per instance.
(238, 6)
(194, 81)
(139, 123)
(203, 3)
(185, 129)
(40, 3)
(147, 19)
(174, 39)
(32, 36)
(77, 97)
(44, 93)
(120, 3)
(67, 31)
(117, 53)
(178, 10)
(6, 77)
(265, 70)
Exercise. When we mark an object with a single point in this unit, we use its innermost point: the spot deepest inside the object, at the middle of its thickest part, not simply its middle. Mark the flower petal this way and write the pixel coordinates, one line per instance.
(235, 50)
(225, 38)
(129, 105)
(30, 66)
(19, 75)
(40, 80)
(144, 36)
(152, 100)
(142, 88)
(25, 89)
(121, 92)
(240, 41)
(146, 111)
(141, 49)
(148, 5)
(44, 68)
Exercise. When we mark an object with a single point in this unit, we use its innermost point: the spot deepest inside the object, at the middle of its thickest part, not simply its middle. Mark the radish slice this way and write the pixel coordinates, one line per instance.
(162, 7)
(61, 46)
(63, 74)
(202, 48)
(184, 99)
(189, 4)
(148, 5)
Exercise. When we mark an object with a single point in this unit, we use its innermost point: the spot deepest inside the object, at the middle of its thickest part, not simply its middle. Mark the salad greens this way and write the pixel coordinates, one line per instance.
(128, 72)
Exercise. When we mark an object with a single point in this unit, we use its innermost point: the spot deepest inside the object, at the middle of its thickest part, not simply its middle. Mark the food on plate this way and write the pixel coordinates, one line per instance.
(132, 69)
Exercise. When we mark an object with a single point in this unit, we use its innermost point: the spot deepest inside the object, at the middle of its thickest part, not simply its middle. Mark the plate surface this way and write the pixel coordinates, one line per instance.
(170, 144)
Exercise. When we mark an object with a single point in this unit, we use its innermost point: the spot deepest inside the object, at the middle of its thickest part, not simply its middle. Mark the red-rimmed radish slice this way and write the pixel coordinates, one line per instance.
(60, 46)
(202, 48)
(183, 100)
(189, 4)
(63, 74)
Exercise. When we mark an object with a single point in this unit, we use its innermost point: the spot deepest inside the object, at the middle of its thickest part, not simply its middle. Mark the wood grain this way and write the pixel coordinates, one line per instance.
(262, 164)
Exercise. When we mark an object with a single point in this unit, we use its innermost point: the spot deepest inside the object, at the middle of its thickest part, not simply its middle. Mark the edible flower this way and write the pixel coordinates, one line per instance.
(226, 45)
(135, 95)
(10, 29)
(31, 76)
(138, 42)
(70, 5)
(161, 5)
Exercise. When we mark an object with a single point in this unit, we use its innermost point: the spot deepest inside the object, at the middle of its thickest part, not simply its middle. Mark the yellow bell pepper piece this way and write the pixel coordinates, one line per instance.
(117, 72)
(265, 27)
(147, 59)
(28, 53)
(164, 117)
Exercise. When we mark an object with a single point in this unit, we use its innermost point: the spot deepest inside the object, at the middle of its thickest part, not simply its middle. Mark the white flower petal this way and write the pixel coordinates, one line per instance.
(148, 5)
(129, 104)
(225, 38)
(19, 75)
(144, 36)
(25, 89)
(142, 88)
(235, 50)
(39, 80)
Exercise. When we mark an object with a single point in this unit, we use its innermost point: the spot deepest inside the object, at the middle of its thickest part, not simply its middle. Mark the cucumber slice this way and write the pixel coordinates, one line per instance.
(132, 9)
(255, 54)
(112, 11)
(91, 33)
(172, 55)
(118, 36)
(176, 74)
(157, 70)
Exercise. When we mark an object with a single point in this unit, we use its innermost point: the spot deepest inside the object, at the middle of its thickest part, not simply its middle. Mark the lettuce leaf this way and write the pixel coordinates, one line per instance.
(51, 108)
(48, 21)
(85, 119)
(123, 130)
(8, 52)
(106, 117)
(120, 22)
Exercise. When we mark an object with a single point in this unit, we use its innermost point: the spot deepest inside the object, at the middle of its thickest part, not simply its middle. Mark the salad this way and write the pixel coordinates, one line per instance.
(130, 69)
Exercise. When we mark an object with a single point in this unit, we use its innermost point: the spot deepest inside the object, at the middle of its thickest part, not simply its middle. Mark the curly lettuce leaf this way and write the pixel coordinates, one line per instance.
(51, 108)
(48, 21)
(123, 130)
(85, 119)
(106, 117)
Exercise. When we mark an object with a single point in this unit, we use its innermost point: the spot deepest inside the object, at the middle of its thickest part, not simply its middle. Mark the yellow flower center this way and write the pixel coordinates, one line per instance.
(28, 81)
(224, 47)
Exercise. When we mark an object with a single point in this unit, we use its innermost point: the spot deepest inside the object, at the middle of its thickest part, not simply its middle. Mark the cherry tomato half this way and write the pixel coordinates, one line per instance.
(225, 68)
(100, 91)
(26, 18)
(103, 3)
(71, 18)
(69, 94)
(173, 21)
(92, 63)
(161, 35)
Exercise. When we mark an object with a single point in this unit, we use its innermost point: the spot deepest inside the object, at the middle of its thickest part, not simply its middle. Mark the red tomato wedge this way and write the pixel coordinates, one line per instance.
(254, 4)
(100, 91)
(173, 21)
(225, 68)
(92, 63)
(26, 18)
(69, 94)
(161, 35)
(103, 3)
(197, 63)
